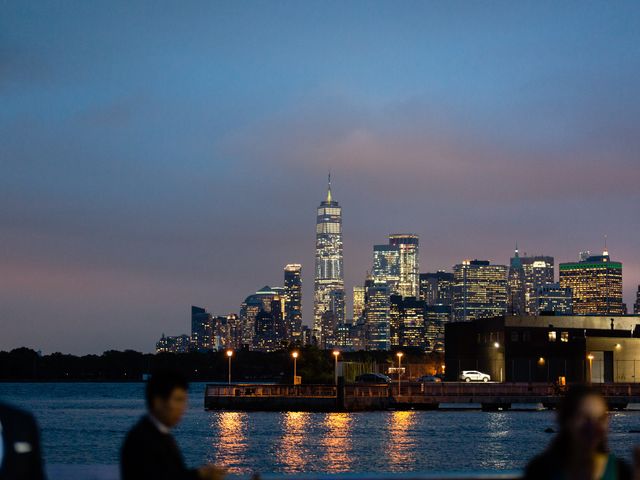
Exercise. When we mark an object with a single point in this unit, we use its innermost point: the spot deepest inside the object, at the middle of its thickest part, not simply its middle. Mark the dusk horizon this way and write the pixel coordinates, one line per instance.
(180, 161)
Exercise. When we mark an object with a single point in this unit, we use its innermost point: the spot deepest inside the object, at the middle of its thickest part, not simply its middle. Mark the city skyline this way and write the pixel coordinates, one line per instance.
(183, 167)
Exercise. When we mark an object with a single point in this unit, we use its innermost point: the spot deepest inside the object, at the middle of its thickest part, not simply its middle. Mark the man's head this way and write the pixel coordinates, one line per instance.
(584, 420)
(166, 394)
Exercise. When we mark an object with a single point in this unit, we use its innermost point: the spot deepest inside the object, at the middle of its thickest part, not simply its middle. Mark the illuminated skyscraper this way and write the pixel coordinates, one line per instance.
(406, 321)
(538, 271)
(293, 300)
(377, 316)
(435, 288)
(386, 266)
(596, 285)
(262, 300)
(516, 286)
(551, 297)
(408, 284)
(329, 275)
(636, 306)
(479, 290)
(358, 302)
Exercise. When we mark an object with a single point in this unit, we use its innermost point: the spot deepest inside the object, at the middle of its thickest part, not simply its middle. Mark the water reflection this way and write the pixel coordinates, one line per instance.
(401, 448)
(291, 453)
(497, 434)
(230, 443)
(336, 441)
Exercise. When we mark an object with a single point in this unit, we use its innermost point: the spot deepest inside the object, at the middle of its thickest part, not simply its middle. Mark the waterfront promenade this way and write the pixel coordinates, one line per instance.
(416, 396)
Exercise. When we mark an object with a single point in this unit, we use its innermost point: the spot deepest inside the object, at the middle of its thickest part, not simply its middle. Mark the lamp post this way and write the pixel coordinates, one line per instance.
(229, 355)
(295, 357)
(336, 353)
(590, 358)
(399, 354)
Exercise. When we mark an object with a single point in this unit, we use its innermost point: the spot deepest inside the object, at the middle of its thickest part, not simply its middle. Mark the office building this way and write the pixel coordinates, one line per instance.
(636, 305)
(435, 319)
(293, 301)
(479, 290)
(435, 288)
(175, 344)
(358, 302)
(377, 307)
(329, 275)
(596, 285)
(409, 267)
(406, 322)
(516, 286)
(201, 329)
(552, 298)
(262, 300)
(386, 266)
(538, 271)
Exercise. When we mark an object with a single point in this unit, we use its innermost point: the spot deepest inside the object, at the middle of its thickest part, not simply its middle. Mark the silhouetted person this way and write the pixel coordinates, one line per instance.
(20, 455)
(580, 450)
(150, 452)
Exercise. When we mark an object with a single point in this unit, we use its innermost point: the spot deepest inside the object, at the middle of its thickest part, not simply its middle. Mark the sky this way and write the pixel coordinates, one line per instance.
(158, 155)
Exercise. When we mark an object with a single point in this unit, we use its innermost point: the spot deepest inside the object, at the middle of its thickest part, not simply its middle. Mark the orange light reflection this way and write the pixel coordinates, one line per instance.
(337, 442)
(292, 454)
(401, 447)
(230, 444)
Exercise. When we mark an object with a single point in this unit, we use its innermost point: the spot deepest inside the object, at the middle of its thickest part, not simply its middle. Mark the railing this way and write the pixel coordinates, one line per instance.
(252, 390)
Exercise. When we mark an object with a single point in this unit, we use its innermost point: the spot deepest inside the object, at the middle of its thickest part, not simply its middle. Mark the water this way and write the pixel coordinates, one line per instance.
(85, 423)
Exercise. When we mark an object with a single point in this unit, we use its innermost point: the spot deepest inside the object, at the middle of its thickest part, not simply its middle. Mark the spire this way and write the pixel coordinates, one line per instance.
(605, 253)
(516, 251)
(329, 189)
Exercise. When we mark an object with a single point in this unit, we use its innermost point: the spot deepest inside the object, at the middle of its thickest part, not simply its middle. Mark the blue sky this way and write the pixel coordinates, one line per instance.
(157, 155)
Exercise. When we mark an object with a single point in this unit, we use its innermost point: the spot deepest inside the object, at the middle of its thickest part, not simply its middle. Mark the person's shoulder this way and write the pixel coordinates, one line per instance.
(15, 415)
(141, 430)
(539, 466)
(625, 472)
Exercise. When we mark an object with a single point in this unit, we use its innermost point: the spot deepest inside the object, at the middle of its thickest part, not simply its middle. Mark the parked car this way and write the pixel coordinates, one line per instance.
(429, 379)
(474, 376)
(373, 378)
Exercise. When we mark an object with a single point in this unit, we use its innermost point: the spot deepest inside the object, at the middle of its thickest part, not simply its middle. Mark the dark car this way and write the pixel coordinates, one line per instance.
(372, 378)
(430, 379)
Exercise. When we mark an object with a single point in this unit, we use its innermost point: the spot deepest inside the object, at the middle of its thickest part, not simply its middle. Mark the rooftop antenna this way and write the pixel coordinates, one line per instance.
(329, 189)
(606, 251)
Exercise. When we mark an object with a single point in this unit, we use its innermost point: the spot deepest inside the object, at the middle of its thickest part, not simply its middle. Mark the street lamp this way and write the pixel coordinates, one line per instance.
(295, 357)
(229, 355)
(336, 353)
(399, 354)
(590, 358)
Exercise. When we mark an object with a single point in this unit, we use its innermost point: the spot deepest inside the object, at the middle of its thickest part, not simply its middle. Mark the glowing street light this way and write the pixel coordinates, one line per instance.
(336, 354)
(590, 357)
(295, 357)
(399, 355)
(496, 345)
(229, 355)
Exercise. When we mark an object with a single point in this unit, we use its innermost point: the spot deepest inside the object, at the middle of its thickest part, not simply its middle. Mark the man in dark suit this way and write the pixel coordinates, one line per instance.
(150, 452)
(20, 456)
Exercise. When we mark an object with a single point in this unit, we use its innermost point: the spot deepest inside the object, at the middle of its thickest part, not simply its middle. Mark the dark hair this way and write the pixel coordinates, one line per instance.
(571, 401)
(162, 383)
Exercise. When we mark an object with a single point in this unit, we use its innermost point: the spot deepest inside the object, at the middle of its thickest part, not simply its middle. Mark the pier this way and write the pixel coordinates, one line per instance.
(407, 396)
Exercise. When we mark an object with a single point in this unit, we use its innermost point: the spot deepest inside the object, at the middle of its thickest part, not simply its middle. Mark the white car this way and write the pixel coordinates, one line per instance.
(474, 376)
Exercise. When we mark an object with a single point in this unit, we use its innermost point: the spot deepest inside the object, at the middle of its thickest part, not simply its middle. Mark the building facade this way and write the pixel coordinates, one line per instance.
(358, 302)
(329, 274)
(436, 288)
(479, 290)
(293, 301)
(173, 344)
(636, 305)
(409, 264)
(596, 285)
(377, 309)
(552, 298)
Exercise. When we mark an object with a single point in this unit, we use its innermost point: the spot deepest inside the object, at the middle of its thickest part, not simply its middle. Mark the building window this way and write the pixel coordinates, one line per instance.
(552, 336)
(564, 337)
(514, 336)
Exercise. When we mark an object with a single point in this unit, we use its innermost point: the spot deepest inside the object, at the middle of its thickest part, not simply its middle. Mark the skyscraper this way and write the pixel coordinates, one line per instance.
(386, 266)
(329, 275)
(407, 244)
(358, 302)
(516, 286)
(262, 300)
(293, 300)
(538, 271)
(435, 287)
(551, 297)
(636, 306)
(479, 290)
(596, 285)
(377, 316)
(201, 329)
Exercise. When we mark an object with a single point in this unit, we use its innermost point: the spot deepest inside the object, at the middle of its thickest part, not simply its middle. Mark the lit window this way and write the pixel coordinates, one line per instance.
(552, 336)
(564, 337)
